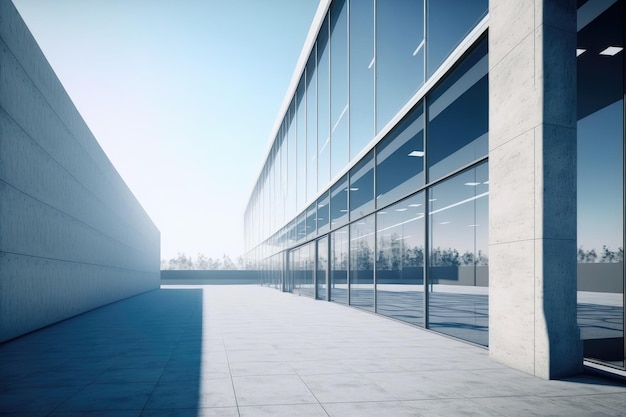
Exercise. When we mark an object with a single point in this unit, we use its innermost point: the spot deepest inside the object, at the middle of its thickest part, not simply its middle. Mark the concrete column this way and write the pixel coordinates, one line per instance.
(532, 176)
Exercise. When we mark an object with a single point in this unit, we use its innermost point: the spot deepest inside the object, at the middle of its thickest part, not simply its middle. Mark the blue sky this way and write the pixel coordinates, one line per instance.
(182, 96)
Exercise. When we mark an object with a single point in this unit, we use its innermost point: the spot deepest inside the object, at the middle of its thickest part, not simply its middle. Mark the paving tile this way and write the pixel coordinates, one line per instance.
(300, 410)
(34, 399)
(271, 390)
(368, 409)
(116, 376)
(345, 388)
(174, 372)
(260, 368)
(193, 412)
(94, 397)
(193, 394)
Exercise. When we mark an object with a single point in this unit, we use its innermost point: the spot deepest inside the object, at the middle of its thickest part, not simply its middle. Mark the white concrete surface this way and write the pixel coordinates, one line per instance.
(72, 235)
(532, 177)
(254, 351)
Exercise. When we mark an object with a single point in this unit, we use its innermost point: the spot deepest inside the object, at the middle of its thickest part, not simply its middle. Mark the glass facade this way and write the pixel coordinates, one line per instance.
(390, 209)
(601, 181)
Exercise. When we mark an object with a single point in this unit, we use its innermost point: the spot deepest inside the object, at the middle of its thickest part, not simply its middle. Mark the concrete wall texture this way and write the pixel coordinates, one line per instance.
(72, 235)
(532, 177)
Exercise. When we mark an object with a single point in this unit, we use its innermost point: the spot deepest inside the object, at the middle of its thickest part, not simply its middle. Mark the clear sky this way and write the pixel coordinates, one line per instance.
(182, 96)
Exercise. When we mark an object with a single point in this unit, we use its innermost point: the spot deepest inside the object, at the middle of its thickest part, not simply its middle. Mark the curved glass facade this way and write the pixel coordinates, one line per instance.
(384, 202)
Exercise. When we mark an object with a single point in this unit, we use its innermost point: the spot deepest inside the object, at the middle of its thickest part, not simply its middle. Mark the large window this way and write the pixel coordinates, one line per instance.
(458, 116)
(339, 203)
(601, 181)
(321, 278)
(339, 245)
(361, 75)
(301, 146)
(323, 213)
(311, 126)
(447, 23)
(339, 86)
(458, 276)
(400, 260)
(323, 107)
(362, 242)
(399, 55)
(400, 159)
(361, 189)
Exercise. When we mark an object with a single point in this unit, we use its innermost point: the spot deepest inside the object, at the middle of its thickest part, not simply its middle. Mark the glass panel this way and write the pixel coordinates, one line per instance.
(311, 127)
(361, 75)
(293, 170)
(458, 116)
(362, 263)
(399, 55)
(339, 266)
(458, 274)
(400, 260)
(311, 221)
(323, 213)
(301, 227)
(362, 187)
(322, 268)
(339, 203)
(400, 159)
(601, 183)
(447, 23)
(323, 108)
(338, 86)
(301, 148)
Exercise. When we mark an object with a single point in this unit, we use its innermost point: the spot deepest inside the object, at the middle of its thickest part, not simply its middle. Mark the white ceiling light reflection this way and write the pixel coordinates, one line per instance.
(416, 153)
(445, 222)
(611, 51)
(402, 209)
(472, 184)
(579, 52)
(414, 205)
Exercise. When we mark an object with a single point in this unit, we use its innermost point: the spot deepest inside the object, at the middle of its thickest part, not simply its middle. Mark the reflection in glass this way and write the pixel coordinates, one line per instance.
(458, 116)
(338, 86)
(339, 203)
(323, 213)
(301, 146)
(323, 108)
(311, 127)
(601, 184)
(399, 55)
(339, 245)
(293, 171)
(362, 242)
(361, 75)
(361, 191)
(458, 276)
(321, 278)
(400, 260)
(447, 23)
(400, 159)
(311, 221)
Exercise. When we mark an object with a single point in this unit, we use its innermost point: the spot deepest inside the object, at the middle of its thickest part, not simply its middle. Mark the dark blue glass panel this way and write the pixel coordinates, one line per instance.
(361, 189)
(400, 159)
(339, 203)
(458, 116)
(399, 55)
(447, 23)
(362, 233)
(458, 275)
(400, 260)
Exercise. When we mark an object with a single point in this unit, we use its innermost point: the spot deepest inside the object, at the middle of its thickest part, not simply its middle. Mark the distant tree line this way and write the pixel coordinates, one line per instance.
(202, 262)
(606, 255)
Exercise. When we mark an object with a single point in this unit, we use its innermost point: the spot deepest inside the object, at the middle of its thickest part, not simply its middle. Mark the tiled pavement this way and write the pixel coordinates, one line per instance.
(252, 351)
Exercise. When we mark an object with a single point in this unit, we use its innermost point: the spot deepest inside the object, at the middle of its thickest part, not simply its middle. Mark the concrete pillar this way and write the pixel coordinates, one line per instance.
(532, 176)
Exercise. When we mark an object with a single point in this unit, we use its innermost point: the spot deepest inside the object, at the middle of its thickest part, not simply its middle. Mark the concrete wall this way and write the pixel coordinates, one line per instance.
(212, 277)
(72, 235)
(532, 186)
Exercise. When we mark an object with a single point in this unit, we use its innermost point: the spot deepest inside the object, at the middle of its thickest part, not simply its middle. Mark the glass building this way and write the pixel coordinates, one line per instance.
(375, 191)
